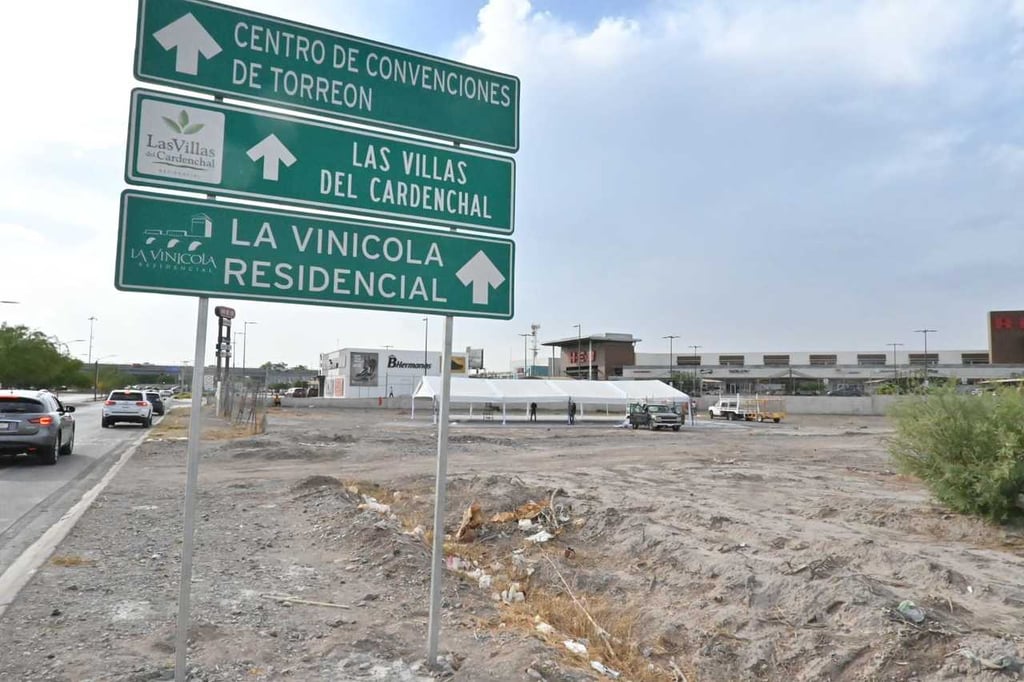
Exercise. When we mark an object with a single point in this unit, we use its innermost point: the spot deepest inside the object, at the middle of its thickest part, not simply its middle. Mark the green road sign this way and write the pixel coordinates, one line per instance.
(219, 148)
(173, 245)
(222, 50)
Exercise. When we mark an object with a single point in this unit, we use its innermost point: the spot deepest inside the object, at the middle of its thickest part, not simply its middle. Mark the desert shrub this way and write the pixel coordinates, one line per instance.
(968, 449)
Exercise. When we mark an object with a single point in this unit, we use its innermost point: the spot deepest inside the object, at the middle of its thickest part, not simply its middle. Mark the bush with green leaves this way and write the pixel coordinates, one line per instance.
(968, 449)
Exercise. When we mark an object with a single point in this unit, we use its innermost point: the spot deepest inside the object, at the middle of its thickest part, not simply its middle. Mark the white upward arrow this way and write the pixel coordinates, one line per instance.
(191, 39)
(273, 152)
(482, 274)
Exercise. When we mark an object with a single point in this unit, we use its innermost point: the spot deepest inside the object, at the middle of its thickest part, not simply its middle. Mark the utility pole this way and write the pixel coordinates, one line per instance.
(696, 365)
(926, 332)
(525, 360)
(896, 367)
(245, 346)
(426, 336)
(91, 321)
(579, 347)
(671, 338)
(387, 373)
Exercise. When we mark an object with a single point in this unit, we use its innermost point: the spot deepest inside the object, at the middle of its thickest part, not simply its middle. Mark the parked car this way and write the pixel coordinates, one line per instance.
(36, 423)
(157, 402)
(849, 391)
(127, 405)
(166, 393)
(296, 392)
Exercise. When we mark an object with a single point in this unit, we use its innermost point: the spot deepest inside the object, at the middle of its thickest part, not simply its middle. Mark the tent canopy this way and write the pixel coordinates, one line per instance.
(549, 392)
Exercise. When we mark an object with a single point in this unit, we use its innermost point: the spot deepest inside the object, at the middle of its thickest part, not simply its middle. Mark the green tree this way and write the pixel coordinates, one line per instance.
(28, 359)
(968, 449)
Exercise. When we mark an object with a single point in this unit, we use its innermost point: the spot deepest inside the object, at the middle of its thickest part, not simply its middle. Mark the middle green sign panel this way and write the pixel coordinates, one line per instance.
(199, 145)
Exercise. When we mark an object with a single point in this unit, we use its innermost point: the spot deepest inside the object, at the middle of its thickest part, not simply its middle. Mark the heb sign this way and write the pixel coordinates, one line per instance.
(192, 247)
(200, 45)
(199, 145)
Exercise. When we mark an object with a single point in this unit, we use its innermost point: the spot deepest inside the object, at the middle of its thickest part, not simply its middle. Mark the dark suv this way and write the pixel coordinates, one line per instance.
(157, 402)
(36, 423)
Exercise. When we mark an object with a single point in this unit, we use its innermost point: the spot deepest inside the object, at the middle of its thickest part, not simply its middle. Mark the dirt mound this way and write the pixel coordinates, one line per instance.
(317, 481)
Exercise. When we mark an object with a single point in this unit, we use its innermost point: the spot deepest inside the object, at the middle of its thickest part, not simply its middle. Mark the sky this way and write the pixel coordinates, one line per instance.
(745, 175)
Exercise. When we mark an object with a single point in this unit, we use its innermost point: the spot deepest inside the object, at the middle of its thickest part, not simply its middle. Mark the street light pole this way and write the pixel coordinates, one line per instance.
(579, 347)
(671, 338)
(96, 374)
(387, 375)
(925, 332)
(426, 335)
(245, 343)
(91, 321)
(696, 365)
(896, 367)
(525, 337)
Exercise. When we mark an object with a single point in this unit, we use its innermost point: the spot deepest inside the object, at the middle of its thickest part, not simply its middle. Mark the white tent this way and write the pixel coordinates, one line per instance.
(515, 392)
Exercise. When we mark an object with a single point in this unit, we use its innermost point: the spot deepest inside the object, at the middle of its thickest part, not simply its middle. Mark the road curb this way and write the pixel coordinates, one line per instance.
(22, 569)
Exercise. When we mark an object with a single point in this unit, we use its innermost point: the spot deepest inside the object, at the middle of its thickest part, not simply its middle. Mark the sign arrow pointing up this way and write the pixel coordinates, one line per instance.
(273, 152)
(482, 274)
(191, 39)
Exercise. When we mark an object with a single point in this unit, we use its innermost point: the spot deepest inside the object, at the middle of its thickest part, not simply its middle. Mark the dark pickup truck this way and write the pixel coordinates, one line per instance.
(654, 417)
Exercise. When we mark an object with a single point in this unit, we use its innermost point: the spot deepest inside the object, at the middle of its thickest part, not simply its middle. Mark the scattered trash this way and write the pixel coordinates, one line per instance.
(472, 519)
(530, 510)
(542, 627)
(602, 668)
(1011, 663)
(373, 505)
(285, 600)
(417, 532)
(526, 525)
(570, 553)
(575, 647)
(911, 611)
(513, 594)
(540, 536)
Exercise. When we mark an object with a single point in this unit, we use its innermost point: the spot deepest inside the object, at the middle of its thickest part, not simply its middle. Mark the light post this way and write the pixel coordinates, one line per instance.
(185, 383)
(245, 344)
(92, 320)
(671, 338)
(579, 346)
(525, 366)
(426, 335)
(386, 374)
(926, 332)
(234, 353)
(696, 366)
(96, 373)
(896, 367)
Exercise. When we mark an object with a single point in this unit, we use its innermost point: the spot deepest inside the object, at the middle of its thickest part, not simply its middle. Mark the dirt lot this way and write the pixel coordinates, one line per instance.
(724, 552)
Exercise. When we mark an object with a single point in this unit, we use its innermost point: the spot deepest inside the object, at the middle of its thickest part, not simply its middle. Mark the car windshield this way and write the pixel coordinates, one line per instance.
(125, 395)
(19, 405)
(153, 396)
(658, 408)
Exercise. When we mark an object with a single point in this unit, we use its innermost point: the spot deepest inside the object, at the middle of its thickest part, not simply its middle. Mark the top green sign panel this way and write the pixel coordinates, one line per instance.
(226, 51)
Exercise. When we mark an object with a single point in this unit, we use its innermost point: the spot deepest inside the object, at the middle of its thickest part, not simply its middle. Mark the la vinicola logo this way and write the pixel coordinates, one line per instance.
(176, 249)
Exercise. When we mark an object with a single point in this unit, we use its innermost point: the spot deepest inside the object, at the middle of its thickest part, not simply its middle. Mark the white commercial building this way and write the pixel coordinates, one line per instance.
(381, 372)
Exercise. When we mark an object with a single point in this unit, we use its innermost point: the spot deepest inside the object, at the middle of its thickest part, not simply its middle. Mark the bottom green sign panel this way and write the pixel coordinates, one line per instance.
(173, 245)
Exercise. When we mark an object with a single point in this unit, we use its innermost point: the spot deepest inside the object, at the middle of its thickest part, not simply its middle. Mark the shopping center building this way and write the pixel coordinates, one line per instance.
(613, 356)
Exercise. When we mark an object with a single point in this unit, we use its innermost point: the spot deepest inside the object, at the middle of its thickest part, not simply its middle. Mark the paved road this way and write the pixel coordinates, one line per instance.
(33, 497)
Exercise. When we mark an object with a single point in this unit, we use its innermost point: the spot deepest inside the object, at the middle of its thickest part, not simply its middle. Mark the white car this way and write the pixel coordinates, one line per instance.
(127, 405)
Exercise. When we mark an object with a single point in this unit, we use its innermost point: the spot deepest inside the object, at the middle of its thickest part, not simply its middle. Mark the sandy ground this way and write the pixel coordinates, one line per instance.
(723, 552)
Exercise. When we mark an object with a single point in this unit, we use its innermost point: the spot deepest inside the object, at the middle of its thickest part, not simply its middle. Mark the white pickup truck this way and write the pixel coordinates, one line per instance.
(748, 409)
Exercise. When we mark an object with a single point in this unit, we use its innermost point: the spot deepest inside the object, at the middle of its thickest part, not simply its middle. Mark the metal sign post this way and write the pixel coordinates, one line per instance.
(437, 565)
(195, 426)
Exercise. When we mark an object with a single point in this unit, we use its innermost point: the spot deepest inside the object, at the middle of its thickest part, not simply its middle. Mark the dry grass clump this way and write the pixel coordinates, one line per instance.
(175, 425)
(71, 561)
